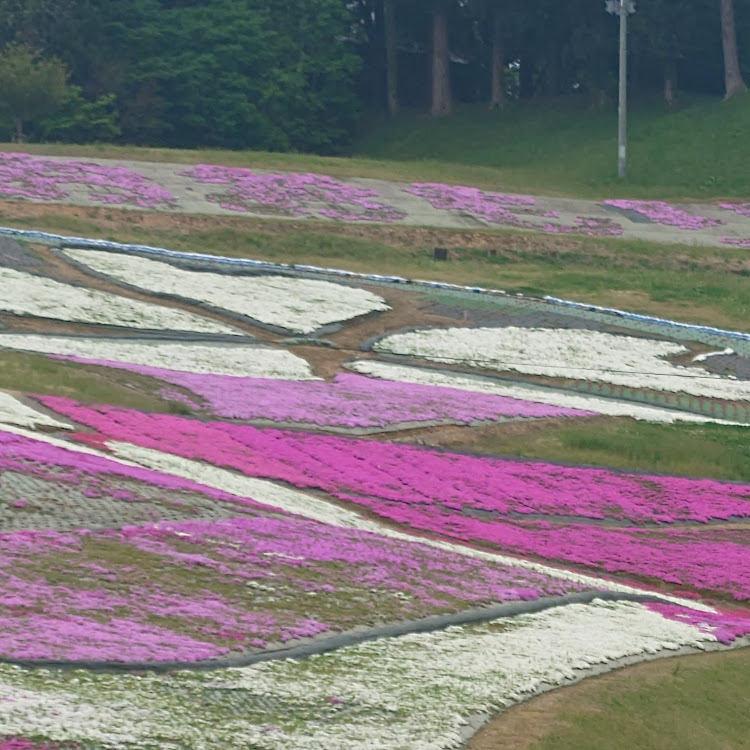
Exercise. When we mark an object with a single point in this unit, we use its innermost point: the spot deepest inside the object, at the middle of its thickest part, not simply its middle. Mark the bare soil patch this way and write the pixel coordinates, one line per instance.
(408, 309)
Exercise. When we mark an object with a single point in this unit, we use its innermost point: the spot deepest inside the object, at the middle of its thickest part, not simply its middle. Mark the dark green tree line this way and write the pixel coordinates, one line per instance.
(552, 48)
(296, 74)
(225, 73)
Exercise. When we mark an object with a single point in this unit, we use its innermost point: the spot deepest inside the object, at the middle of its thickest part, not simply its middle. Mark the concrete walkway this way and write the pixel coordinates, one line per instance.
(544, 214)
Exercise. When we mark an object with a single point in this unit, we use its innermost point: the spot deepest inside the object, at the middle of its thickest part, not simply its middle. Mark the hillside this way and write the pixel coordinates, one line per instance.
(698, 151)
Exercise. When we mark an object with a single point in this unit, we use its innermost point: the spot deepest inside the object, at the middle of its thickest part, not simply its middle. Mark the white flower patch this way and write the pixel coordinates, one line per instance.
(298, 305)
(234, 483)
(568, 353)
(64, 715)
(417, 692)
(251, 361)
(428, 685)
(477, 384)
(303, 504)
(708, 355)
(26, 294)
(58, 442)
(15, 412)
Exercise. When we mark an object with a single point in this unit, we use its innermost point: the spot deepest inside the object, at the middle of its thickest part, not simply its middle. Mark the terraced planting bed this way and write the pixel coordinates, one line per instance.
(277, 553)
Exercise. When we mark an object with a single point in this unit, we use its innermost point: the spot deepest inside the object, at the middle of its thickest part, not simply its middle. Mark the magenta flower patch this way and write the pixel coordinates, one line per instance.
(504, 208)
(418, 476)
(738, 241)
(477, 499)
(726, 625)
(663, 213)
(743, 209)
(190, 590)
(498, 208)
(291, 194)
(349, 401)
(92, 476)
(680, 557)
(198, 589)
(14, 742)
(44, 179)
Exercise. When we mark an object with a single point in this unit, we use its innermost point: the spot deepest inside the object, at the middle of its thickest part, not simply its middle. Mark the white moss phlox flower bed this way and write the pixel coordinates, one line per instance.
(249, 360)
(568, 353)
(26, 294)
(528, 392)
(297, 305)
(416, 692)
(15, 412)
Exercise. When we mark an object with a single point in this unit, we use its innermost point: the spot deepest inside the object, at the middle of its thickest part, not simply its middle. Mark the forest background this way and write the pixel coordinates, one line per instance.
(305, 75)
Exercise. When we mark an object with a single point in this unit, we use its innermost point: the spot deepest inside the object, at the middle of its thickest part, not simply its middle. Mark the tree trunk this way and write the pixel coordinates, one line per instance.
(378, 59)
(19, 130)
(441, 82)
(670, 82)
(391, 56)
(526, 77)
(498, 94)
(733, 82)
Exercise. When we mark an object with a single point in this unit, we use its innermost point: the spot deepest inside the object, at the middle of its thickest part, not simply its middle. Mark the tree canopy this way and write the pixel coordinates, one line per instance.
(298, 74)
(30, 86)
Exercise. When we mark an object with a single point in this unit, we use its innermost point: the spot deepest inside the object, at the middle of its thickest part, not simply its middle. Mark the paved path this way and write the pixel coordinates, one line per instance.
(556, 215)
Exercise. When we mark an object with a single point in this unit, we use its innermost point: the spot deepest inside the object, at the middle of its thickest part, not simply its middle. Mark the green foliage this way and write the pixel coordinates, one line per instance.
(80, 120)
(716, 451)
(232, 73)
(30, 86)
(566, 146)
(292, 75)
(36, 373)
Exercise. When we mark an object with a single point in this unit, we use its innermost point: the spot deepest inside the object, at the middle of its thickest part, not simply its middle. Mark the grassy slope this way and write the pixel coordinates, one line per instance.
(38, 374)
(699, 151)
(716, 451)
(565, 147)
(701, 704)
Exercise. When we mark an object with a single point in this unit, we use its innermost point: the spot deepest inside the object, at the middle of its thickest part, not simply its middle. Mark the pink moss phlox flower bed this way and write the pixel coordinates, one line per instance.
(349, 401)
(494, 207)
(13, 742)
(291, 194)
(677, 556)
(738, 241)
(663, 213)
(198, 589)
(92, 474)
(504, 208)
(725, 624)
(414, 475)
(743, 209)
(43, 179)
(172, 394)
(588, 225)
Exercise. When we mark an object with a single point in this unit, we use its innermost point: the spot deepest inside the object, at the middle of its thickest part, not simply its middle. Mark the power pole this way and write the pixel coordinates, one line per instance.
(622, 8)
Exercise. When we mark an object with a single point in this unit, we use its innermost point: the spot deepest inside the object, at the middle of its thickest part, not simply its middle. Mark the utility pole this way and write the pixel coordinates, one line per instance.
(622, 8)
